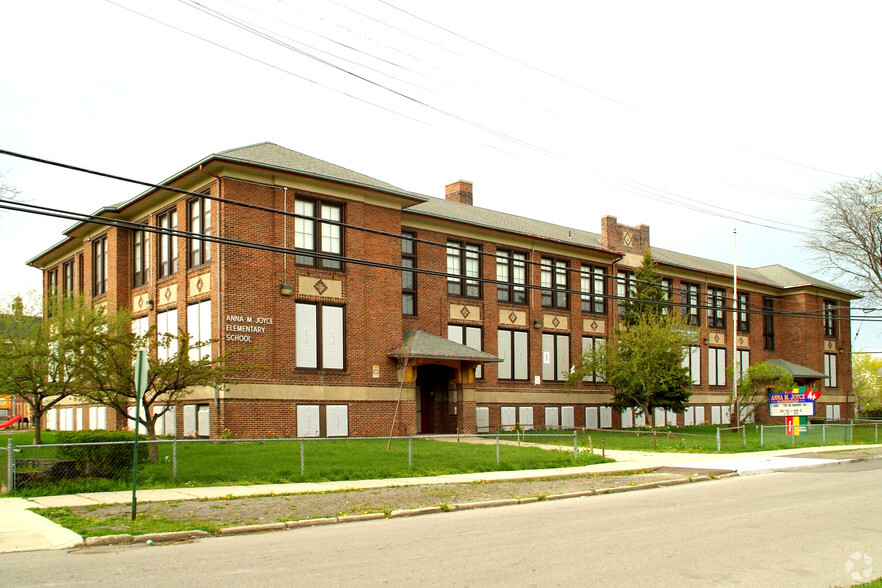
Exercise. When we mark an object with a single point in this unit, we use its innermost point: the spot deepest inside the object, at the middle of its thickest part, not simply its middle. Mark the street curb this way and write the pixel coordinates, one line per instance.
(245, 529)
(170, 536)
(108, 540)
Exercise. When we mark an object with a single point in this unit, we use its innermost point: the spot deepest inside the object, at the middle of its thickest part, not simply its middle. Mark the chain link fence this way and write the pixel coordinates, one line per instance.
(76, 468)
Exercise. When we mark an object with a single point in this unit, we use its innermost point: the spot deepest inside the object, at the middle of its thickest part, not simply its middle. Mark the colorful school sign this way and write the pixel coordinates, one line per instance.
(799, 402)
(796, 407)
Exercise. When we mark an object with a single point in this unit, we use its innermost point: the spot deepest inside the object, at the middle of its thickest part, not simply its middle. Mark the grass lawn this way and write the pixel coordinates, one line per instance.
(703, 438)
(272, 462)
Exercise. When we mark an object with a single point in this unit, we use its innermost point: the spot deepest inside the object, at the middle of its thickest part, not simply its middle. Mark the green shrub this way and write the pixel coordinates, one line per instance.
(100, 461)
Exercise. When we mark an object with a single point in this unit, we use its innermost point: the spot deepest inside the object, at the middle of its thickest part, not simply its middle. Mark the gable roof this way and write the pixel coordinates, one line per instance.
(796, 370)
(268, 154)
(422, 345)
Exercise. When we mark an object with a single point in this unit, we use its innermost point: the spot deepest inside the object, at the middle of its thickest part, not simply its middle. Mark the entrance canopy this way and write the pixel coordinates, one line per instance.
(419, 345)
(799, 372)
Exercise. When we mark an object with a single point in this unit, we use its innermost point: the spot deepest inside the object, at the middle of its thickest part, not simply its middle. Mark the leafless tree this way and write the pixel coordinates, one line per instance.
(847, 236)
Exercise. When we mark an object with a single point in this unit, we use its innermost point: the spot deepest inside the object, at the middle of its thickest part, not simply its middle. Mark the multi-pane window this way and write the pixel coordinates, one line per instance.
(716, 366)
(52, 283)
(555, 357)
(67, 279)
(511, 270)
(408, 278)
(830, 380)
(463, 263)
(470, 337)
(768, 323)
(320, 336)
(167, 243)
(100, 266)
(625, 288)
(692, 363)
(81, 280)
(318, 228)
(716, 301)
(743, 311)
(593, 290)
(689, 296)
(167, 334)
(553, 279)
(512, 350)
(199, 221)
(591, 345)
(667, 287)
(140, 257)
(829, 318)
(199, 330)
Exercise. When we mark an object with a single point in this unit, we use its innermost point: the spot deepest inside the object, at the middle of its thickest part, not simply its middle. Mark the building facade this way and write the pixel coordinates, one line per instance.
(362, 309)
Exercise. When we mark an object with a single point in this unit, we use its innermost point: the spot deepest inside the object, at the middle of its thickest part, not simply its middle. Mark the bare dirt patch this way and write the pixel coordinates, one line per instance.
(291, 507)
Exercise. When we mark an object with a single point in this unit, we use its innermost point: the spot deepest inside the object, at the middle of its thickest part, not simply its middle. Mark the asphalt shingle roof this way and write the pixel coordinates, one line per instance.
(274, 156)
(422, 345)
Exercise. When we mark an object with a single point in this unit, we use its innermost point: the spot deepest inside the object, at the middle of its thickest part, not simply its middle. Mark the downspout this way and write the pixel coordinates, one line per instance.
(220, 281)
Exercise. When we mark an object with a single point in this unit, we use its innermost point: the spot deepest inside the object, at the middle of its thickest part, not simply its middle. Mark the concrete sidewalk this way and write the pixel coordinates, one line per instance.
(23, 530)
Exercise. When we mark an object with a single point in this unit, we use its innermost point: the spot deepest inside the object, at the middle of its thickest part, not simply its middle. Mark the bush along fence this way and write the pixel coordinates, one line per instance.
(97, 466)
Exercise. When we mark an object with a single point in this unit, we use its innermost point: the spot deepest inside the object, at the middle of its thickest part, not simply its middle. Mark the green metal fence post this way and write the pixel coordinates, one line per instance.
(10, 465)
(824, 433)
(302, 458)
(497, 448)
(175, 459)
(744, 435)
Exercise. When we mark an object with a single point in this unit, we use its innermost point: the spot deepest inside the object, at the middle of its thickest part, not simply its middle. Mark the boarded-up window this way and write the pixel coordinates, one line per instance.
(482, 419)
(567, 417)
(98, 417)
(307, 420)
(337, 418)
(555, 357)
(319, 342)
(468, 336)
(692, 362)
(525, 417)
(507, 417)
(605, 417)
(552, 417)
(592, 418)
(512, 349)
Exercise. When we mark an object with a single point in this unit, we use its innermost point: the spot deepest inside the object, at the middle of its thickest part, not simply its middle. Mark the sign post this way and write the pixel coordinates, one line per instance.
(140, 386)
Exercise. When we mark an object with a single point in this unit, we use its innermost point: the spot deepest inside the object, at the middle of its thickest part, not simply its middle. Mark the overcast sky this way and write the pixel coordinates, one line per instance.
(695, 118)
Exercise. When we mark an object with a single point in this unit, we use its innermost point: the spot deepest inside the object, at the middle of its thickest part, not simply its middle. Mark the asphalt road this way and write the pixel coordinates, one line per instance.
(793, 528)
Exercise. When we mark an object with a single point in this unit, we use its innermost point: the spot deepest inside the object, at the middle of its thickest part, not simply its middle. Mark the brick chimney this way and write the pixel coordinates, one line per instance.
(622, 237)
(459, 191)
